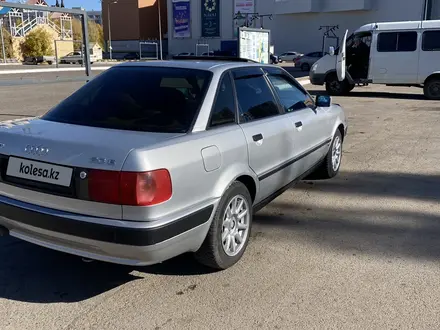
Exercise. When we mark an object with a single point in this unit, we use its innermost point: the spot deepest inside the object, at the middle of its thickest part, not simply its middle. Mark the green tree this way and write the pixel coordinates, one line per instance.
(8, 45)
(96, 33)
(38, 43)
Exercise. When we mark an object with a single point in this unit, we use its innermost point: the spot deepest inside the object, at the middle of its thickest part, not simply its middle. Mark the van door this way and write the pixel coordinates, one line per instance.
(429, 58)
(395, 57)
(341, 58)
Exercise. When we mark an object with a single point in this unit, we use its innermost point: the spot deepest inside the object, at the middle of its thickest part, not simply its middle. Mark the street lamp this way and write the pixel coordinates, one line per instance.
(110, 29)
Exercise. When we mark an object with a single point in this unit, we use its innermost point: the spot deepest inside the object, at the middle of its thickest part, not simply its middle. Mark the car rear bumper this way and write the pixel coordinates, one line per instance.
(122, 242)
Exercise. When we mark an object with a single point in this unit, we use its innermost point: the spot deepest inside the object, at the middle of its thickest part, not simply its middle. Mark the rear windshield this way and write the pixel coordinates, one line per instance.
(149, 99)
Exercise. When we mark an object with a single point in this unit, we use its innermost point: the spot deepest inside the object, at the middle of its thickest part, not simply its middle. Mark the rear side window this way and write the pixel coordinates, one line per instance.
(397, 41)
(148, 99)
(255, 98)
(431, 41)
(223, 111)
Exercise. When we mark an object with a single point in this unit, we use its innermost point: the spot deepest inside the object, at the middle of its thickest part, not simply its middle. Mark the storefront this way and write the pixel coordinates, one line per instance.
(196, 26)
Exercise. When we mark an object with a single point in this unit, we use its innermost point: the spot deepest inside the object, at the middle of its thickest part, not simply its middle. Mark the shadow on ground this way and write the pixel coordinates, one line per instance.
(387, 230)
(35, 274)
(383, 95)
(379, 184)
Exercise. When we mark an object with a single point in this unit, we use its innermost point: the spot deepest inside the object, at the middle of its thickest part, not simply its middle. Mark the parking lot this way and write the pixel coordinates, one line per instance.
(360, 251)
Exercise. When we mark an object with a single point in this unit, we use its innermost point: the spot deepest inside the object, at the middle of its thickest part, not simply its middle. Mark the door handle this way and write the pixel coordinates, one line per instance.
(298, 124)
(257, 137)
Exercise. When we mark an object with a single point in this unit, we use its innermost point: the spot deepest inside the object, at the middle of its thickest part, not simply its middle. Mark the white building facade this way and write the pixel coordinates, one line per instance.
(295, 24)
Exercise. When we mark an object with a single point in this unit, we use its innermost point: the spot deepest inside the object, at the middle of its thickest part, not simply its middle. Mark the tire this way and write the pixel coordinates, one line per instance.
(351, 87)
(431, 88)
(326, 170)
(335, 87)
(80, 62)
(212, 253)
(305, 67)
(50, 62)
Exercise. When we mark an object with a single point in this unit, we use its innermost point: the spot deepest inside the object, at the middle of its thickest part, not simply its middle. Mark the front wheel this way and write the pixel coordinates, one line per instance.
(229, 233)
(331, 164)
(335, 87)
(431, 89)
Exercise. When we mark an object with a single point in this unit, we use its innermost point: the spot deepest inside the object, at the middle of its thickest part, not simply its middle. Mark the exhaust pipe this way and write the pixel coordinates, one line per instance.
(4, 231)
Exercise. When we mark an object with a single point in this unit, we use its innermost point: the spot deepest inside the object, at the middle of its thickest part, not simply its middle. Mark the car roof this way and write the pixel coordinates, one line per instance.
(214, 66)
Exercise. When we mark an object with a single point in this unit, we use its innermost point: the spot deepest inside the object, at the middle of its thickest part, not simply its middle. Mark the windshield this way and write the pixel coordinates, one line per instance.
(149, 99)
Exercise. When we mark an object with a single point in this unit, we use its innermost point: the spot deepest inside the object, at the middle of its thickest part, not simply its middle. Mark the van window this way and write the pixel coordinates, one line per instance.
(431, 41)
(397, 41)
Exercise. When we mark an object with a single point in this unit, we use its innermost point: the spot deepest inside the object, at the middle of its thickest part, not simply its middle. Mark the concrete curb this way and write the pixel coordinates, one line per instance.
(19, 71)
(303, 81)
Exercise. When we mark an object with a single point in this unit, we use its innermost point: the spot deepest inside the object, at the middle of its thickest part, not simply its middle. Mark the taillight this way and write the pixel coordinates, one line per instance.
(130, 188)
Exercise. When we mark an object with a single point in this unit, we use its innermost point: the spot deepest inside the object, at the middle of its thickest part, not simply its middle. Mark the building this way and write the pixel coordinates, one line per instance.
(95, 15)
(132, 22)
(20, 22)
(296, 25)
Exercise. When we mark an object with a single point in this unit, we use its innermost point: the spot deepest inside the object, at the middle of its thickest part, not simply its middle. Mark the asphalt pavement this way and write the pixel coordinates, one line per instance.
(360, 251)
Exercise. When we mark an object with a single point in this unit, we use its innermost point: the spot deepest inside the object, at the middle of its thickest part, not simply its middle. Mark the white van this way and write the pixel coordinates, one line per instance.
(393, 53)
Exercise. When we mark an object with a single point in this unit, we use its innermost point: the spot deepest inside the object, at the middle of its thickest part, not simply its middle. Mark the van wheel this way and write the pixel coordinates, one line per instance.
(431, 89)
(230, 229)
(335, 87)
(331, 164)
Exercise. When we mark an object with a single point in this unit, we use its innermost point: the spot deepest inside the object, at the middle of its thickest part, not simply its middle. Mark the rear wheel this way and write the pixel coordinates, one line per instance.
(335, 87)
(305, 67)
(229, 233)
(431, 89)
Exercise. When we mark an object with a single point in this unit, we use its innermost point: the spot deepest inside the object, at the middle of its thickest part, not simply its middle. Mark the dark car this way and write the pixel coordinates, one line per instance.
(132, 56)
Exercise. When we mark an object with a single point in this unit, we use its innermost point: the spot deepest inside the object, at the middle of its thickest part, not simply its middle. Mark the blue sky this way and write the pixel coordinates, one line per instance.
(87, 4)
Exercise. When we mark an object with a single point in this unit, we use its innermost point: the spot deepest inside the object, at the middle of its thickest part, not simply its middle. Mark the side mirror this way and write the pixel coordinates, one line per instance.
(331, 50)
(323, 101)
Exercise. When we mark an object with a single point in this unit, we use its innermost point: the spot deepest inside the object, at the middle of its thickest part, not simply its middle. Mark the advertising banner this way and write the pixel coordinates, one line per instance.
(210, 18)
(181, 18)
(243, 7)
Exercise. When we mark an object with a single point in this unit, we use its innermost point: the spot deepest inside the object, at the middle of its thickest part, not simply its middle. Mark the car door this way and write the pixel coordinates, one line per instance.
(429, 54)
(311, 126)
(341, 58)
(268, 133)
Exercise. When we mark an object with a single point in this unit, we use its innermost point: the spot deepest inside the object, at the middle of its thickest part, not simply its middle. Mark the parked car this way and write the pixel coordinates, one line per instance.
(39, 59)
(148, 161)
(75, 58)
(185, 54)
(289, 56)
(306, 61)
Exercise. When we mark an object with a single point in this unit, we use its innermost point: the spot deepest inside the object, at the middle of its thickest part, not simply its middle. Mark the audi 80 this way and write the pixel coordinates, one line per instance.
(148, 161)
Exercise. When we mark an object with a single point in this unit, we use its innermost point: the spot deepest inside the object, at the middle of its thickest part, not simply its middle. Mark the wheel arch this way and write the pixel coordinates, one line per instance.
(434, 75)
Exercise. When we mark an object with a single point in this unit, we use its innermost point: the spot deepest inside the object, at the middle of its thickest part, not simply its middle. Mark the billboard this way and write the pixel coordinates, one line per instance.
(181, 19)
(254, 44)
(243, 7)
(210, 18)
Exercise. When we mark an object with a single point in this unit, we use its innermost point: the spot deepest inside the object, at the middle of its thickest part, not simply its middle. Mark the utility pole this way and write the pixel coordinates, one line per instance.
(160, 29)
(3, 40)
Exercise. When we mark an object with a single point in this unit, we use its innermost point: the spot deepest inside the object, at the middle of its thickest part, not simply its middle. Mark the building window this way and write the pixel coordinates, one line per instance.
(397, 41)
(431, 41)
